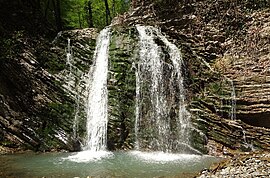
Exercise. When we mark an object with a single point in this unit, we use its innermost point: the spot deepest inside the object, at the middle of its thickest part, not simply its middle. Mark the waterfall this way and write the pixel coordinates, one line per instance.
(233, 102)
(69, 64)
(69, 60)
(96, 103)
(69, 53)
(70, 83)
(162, 121)
(232, 113)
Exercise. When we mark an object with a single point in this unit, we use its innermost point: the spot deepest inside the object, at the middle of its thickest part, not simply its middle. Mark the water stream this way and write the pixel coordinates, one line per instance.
(69, 60)
(161, 128)
(97, 114)
(233, 102)
(96, 104)
(162, 121)
(69, 81)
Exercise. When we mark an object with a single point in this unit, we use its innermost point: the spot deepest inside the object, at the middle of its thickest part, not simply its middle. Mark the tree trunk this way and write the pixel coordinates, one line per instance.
(108, 14)
(80, 20)
(46, 9)
(57, 15)
(90, 14)
(113, 8)
(134, 4)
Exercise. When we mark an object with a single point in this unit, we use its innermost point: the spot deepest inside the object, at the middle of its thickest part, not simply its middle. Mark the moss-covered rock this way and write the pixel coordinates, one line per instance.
(38, 103)
(122, 88)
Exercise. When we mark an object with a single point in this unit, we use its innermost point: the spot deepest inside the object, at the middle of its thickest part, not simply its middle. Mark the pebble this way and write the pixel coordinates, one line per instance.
(243, 166)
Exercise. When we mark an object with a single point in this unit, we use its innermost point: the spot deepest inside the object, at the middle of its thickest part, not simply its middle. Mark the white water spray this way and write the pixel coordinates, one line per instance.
(151, 63)
(96, 104)
(161, 117)
(71, 84)
(232, 113)
(233, 102)
(184, 123)
(69, 63)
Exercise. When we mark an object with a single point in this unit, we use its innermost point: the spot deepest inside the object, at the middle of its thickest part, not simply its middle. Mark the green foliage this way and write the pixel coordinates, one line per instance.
(75, 12)
(7, 143)
(216, 87)
(11, 45)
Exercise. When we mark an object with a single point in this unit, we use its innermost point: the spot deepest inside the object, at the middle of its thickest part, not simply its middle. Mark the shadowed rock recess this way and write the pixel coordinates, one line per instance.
(225, 67)
(38, 93)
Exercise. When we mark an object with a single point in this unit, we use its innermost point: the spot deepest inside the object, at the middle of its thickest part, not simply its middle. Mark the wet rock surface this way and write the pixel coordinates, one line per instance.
(36, 107)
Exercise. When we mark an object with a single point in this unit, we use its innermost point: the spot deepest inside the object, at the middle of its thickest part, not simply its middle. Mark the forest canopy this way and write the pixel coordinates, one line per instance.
(57, 15)
(91, 13)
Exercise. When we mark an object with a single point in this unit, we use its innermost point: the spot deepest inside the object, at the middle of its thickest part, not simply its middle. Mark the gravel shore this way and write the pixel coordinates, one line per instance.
(242, 165)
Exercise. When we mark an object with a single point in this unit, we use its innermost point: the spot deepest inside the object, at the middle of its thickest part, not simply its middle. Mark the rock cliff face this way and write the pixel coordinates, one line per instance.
(28, 96)
(37, 98)
(226, 52)
(122, 86)
(246, 63)
(250, 71)
(227, 78)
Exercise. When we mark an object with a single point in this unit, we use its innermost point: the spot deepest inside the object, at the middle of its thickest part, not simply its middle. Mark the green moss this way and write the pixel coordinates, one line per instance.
(122, 90)
(54, 118)
(198, 141)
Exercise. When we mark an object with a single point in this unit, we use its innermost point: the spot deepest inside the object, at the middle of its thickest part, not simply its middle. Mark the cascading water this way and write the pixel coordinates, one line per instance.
(96, 103)
(233, 102)
(69, 64)
(162, 121)
(69, 61)
(98, 96)
(69, 54)
(69, 78)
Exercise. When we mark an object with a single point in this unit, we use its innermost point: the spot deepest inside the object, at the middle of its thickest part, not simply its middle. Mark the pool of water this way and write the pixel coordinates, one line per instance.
(103, 164)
